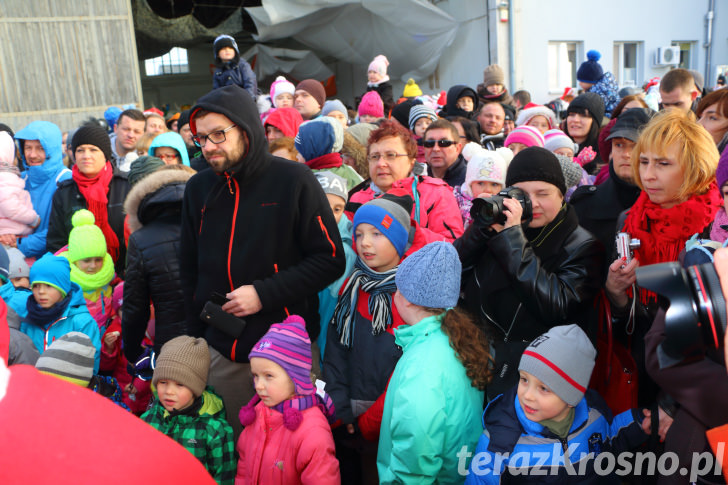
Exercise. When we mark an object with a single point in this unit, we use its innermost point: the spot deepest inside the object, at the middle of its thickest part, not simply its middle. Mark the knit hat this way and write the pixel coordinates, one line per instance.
(92, 134)
(184, 119)
(315, 89)
(279, 86)
(555, 139)
(334, 105)
(288, 345)
(17, 267)
(143, 166)
(591, 102)
(493, 74)
(117, 298)
(4, 264)
(571, 170)
(411, 89)
(430, 277)
(486, 166)
(721, 173)
(563, 359)
(420, 111)
(361, 132)
(372, 105)
(379, 64)
(525, 115)
(630, 122)
(318, 137)
(86, 239)
(388, 214)
(53, 271)
(224, 41)
(332, 184)
(70, 357)
(590, 71)
(185, 360)
(536, 164)
(401, 111)
(528, 135)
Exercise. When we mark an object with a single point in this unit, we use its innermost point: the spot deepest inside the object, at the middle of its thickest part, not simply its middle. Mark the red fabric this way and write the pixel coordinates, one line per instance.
(4, 333)
(370, 423)
(330, 160)
(285, 119)
(603, 175)
(96, 191)
(718, 439)
(605, 146)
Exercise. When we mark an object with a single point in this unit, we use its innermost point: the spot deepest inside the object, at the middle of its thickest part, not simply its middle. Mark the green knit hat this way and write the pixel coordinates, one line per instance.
(86, 239)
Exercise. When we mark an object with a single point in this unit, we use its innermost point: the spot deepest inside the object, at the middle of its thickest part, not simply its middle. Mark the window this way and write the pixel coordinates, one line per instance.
(562, 65)
(686, 50)
(625, 63)
(173, 62)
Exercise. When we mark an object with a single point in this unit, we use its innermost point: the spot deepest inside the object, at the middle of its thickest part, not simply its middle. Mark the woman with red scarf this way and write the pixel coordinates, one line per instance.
(674, 164)
(96, 186)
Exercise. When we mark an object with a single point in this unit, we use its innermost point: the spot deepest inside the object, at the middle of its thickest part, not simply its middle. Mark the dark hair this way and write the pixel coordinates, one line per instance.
(523, 96)
(677, 78)
(443, 124)
(133, 114)
(393, 129)
(470, 127)
(627, 99)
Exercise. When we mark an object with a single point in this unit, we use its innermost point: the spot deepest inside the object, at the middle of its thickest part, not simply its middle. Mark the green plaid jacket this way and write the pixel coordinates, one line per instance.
(207, 435)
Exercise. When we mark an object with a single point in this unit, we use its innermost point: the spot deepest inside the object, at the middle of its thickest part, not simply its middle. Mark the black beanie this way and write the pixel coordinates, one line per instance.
(184, 119)
(401, 111)
(536, 164)
(591, 102)
(92, 134)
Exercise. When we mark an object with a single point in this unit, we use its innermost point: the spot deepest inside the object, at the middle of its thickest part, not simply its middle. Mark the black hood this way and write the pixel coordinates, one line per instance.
(456, 92)
(237, 104)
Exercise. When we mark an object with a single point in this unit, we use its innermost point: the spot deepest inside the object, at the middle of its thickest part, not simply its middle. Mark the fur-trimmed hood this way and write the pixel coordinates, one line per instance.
(163, 188)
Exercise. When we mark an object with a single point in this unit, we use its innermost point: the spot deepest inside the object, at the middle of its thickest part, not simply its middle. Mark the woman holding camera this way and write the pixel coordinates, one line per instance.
(528, 273)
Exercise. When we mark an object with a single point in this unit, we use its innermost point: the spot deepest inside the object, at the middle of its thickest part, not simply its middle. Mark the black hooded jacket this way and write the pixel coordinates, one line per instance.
(453, 94)
(265, 222)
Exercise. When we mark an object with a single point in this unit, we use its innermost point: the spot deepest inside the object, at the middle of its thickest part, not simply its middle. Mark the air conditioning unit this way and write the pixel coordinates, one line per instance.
(667, 56)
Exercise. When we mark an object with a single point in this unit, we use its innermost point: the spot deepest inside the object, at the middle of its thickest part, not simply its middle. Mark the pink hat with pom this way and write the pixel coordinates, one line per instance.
(379, 64)
(281, 85)
(526, 134)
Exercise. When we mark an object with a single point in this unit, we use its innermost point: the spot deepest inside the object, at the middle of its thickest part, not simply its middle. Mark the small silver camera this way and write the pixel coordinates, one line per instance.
(625, 246)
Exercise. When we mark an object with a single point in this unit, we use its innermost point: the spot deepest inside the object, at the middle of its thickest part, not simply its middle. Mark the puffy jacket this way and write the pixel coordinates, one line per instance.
(453, 94)
(509, 433)
(75, 318)
(15, 298)
(154, 206)
(272, 454)
(16, 208)
(41, 180)
(607, 88)
(237, 72)
(438, 209)
(68, 199)
(431, 410)
(172, 140)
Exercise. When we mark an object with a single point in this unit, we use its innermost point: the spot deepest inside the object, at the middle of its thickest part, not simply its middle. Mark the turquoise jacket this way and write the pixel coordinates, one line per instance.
(41, 181)
(76, 318)
(172, 140)
(15, 298)
(431, 410)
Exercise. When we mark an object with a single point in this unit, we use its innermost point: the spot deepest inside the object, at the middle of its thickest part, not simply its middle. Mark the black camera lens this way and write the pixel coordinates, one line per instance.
(491, 210)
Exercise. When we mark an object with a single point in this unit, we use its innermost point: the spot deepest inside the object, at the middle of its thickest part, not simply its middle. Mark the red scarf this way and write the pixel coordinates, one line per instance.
(95, 191)
(663, 232)
(330, 160)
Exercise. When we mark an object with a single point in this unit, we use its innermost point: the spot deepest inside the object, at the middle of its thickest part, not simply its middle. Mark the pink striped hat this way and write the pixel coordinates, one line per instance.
(528, 135)
(288, 345)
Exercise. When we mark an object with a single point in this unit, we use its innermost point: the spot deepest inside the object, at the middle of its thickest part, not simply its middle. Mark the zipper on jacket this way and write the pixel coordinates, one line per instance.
(232, 350)
(275, 268)
(232, 230)
(202, 217)
(326, 233)
(45, 334)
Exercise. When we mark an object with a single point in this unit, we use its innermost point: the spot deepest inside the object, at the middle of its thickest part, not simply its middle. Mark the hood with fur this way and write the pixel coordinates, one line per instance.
(155, 191)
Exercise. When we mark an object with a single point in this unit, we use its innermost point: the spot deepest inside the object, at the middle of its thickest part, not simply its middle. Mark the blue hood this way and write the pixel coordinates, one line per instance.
(77, 304)
(172, 140)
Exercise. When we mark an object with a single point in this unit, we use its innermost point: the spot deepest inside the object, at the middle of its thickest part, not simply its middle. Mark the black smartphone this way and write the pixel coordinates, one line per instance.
(218, 299)
(213, 314)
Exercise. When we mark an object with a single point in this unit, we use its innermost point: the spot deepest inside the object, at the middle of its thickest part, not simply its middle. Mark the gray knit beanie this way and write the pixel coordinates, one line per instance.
(563, 359)
(430, 277)
(332, 184)
(17, 268)
(70, 357)
(185, 360)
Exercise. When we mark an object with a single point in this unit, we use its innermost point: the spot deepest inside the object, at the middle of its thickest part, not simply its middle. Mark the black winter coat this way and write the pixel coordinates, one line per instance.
(154, 206)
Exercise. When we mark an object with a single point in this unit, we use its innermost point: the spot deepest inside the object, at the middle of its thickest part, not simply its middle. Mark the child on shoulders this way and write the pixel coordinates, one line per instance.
(485, 176)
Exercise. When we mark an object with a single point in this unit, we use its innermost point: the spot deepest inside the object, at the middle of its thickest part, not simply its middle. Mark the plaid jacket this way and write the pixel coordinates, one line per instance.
(205, 434)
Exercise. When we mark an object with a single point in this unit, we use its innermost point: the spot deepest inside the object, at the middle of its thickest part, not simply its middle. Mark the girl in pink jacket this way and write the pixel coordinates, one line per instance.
(17, 216)
(287, 437)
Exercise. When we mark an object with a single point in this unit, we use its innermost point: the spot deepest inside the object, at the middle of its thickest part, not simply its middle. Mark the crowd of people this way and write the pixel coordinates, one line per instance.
(410, 290)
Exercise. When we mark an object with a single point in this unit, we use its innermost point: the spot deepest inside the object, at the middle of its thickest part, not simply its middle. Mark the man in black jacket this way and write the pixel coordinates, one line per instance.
(256, 229)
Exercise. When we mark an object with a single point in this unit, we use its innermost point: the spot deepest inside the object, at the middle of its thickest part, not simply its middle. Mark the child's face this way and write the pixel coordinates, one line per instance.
(495, 88)
(367, 119)
(517, 147)
(271, 381)
(465, 103)
(45, 295)
(421, 125)
(338, 116)
(485, 188)
(284, 100)
(226, 53)
(374, 76)
(540, 123)
(567, 152)
(173, 395)
(375, 249)
(90, 265)
(22, 282)
(538, 401)
(337, 205)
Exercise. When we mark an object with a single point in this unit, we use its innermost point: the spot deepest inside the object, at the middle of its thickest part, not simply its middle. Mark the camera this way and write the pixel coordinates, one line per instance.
(491, 210)
(625, 245)
(695, 310)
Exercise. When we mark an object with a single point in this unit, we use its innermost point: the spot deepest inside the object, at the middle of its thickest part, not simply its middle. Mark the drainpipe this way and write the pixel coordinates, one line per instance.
(511, 50)
(709, 41)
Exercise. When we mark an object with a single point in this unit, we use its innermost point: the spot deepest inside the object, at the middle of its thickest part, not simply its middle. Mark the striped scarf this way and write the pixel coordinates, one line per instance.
(301, 403)
(379, 286)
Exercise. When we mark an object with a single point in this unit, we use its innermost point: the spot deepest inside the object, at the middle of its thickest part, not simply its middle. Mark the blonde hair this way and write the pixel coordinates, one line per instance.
(696, 150)
(145, 141)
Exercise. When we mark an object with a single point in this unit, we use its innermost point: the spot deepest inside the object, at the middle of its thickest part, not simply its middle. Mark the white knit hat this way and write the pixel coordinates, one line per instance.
(487, 166)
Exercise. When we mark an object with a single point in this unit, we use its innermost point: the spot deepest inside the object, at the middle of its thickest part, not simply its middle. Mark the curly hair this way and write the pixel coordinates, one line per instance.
(389, 129)
(469, 343)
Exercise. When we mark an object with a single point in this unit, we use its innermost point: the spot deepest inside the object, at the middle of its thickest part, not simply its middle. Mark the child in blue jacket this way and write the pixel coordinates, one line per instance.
(551, 420)
(231, 69)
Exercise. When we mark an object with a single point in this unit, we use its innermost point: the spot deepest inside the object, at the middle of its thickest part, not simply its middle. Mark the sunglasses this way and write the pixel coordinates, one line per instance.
(440, 143)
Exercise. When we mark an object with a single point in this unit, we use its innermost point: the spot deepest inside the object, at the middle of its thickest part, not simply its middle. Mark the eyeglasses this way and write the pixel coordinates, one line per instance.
(388, 157)
(168, 157)
(440, 143)
(215, 137)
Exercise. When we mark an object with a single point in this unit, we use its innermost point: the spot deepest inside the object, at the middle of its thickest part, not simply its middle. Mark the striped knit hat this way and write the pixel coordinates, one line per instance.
(555, 139)
(70, 358)
(420, 111)
(288, 345)
(528, 135)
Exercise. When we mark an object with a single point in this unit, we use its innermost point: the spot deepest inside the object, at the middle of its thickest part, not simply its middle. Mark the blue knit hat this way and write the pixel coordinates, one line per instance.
(590, 71)
(318, 137)
(430, 277)
(52, 270)
(388, 214)
(4, 264)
